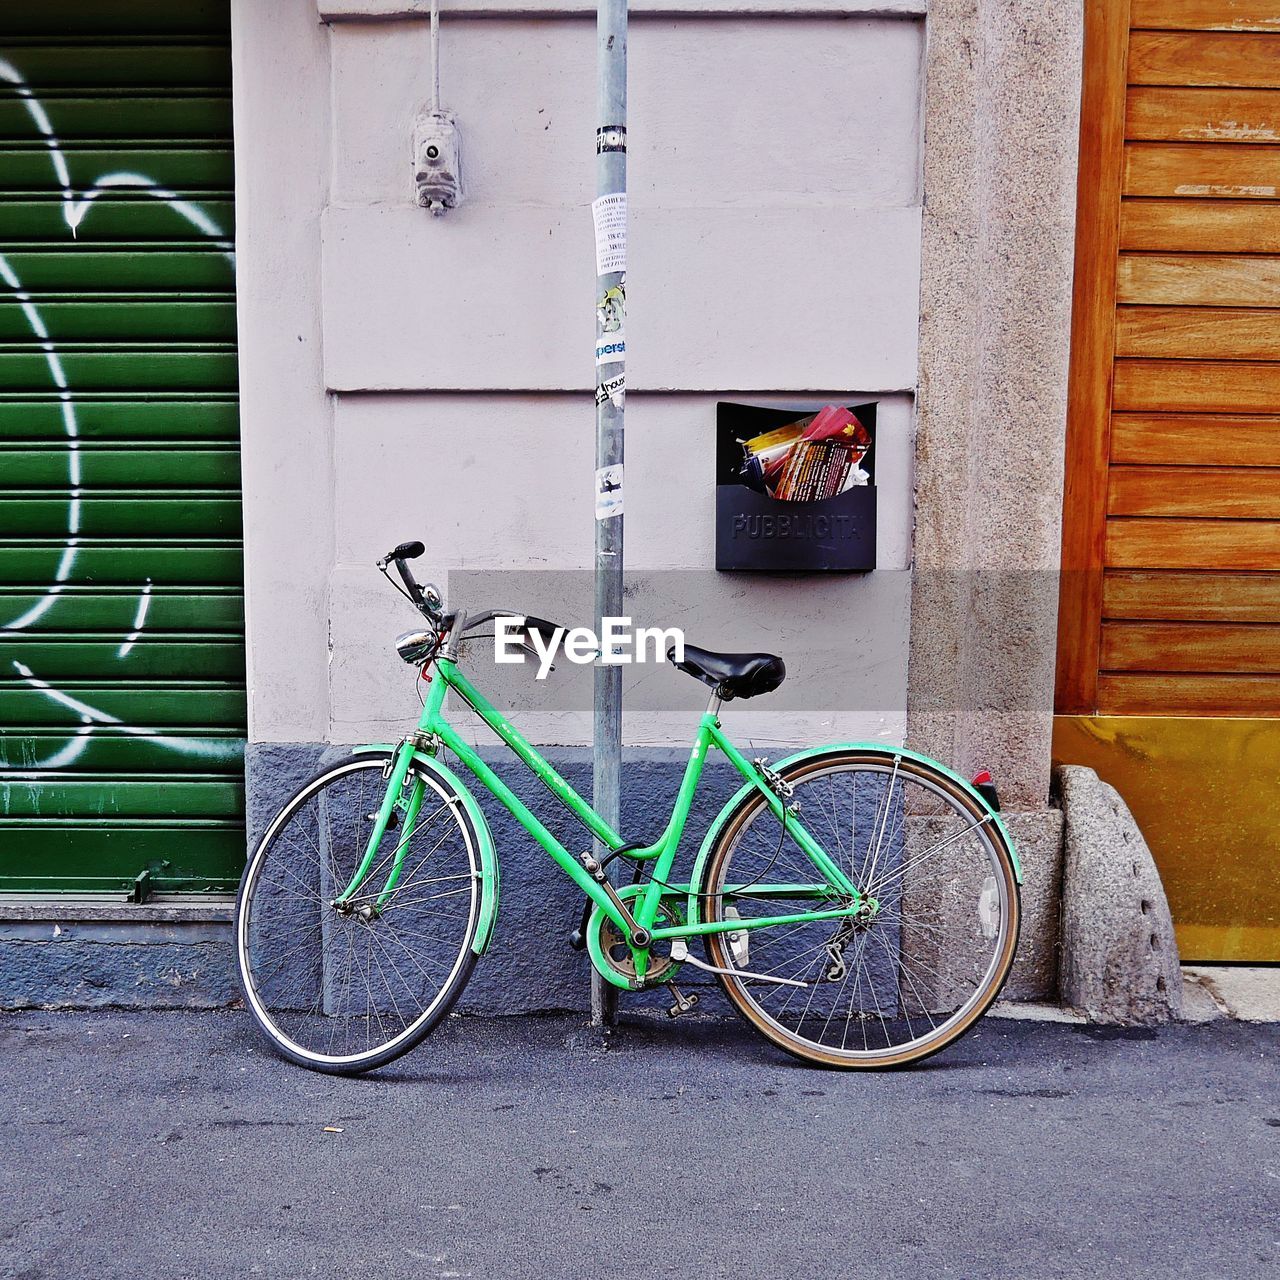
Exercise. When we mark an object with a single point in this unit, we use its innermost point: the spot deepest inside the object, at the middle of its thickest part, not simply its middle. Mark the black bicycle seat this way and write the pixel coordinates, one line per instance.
(733, 675)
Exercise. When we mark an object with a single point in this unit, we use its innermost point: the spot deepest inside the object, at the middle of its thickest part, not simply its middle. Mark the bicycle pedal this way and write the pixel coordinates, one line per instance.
(683, 1004)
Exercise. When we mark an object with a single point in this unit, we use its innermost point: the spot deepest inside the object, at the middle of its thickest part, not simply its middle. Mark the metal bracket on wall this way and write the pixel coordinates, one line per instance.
(144, 883)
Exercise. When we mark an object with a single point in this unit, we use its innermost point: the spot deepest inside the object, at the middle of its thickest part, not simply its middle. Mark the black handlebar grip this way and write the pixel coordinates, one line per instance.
(407, 551)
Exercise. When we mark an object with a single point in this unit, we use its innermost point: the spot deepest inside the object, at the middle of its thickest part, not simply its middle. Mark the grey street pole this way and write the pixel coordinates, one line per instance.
(610, 217)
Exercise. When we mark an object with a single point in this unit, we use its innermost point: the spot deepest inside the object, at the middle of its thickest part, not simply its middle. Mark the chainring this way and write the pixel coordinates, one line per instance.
(618, 955)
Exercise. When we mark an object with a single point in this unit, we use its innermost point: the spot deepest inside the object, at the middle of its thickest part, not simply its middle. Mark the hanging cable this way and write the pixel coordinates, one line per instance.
(435, 55)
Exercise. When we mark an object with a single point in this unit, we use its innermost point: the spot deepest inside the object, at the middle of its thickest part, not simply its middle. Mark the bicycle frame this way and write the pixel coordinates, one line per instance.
(434, 731)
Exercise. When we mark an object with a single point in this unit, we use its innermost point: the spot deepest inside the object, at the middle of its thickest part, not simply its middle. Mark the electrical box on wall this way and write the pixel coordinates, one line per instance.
(795, 489)
(437, 161)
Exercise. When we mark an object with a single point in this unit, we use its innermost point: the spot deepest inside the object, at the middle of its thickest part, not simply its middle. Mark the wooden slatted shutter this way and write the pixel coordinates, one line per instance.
(1169, 620)
(1172, 516)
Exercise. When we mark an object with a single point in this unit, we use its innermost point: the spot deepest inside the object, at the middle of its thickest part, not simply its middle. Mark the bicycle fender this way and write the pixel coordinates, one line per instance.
(813, 753)
(484, 837)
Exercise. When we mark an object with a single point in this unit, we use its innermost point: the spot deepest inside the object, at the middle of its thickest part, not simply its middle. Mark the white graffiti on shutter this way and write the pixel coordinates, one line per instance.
(74, 210)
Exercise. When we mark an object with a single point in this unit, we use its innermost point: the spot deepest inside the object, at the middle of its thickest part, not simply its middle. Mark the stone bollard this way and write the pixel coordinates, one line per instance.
(1119, 961)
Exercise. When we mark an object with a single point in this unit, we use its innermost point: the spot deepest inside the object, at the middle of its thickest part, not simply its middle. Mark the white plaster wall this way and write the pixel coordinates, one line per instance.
(774, 199)
(775, 170)
(531, 511)
(376, 10)
(429, 462)
(280, 64)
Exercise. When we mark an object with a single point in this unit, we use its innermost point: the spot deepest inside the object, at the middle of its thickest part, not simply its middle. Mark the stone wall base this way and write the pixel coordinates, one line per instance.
(61, 953)
(530, 965)
(65, 953)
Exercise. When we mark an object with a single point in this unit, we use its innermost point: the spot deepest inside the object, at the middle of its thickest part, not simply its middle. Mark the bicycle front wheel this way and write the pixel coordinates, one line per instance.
(343, 987)
(939, 931)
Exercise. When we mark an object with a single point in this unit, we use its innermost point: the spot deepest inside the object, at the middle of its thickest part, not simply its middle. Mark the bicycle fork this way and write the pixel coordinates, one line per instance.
(397, 775)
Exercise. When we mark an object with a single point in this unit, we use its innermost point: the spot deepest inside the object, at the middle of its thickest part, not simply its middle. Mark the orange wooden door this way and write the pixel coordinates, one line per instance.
(1170, 599)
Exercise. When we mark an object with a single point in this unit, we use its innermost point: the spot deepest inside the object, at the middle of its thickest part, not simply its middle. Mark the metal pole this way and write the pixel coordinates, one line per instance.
(610, 217)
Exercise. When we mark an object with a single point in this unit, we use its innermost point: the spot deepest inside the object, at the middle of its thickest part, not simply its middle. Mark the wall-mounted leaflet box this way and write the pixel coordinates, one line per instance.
(795, 489)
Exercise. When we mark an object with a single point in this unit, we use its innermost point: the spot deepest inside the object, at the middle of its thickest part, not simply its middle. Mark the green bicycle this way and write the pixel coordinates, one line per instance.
(859, 904)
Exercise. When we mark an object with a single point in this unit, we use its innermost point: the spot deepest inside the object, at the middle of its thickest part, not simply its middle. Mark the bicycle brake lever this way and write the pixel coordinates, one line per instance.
(533, 653)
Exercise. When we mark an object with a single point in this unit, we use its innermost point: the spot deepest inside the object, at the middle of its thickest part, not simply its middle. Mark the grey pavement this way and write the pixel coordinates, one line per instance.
(175, 1145)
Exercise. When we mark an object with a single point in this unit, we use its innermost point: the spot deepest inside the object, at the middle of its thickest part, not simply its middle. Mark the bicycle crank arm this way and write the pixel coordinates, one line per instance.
(680, 954)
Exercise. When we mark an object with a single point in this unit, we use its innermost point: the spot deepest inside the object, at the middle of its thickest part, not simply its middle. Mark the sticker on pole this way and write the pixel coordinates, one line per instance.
(611, 348)
(613, 389)
(611, 310)
(609, 492)
(610, 216)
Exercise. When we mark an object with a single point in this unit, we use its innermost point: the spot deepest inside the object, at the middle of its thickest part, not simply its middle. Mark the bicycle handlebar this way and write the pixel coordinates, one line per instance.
(547, 630)
(425, 598)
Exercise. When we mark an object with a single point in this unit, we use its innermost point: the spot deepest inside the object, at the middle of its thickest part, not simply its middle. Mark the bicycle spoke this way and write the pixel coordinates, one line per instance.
(377, 959)
(902, 870)
(888, 805)
(404, 887)
(396, 905)
(394, 851)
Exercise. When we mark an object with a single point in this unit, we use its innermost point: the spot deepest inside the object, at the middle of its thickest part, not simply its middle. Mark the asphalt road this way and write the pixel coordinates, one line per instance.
(174, 1145)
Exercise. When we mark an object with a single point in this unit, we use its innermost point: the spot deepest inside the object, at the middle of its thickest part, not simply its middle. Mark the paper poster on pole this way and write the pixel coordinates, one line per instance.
(609, 492)
(610, 216)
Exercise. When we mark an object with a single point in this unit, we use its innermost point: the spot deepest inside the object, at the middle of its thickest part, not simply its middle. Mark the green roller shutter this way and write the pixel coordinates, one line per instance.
(122, 707)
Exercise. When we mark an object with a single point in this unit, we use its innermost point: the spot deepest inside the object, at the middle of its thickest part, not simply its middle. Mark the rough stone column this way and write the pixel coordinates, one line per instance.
(1001, 141)
(1001, 137)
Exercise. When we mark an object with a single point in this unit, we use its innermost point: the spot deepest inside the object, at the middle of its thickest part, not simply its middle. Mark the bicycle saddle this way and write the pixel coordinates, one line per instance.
(733, 675)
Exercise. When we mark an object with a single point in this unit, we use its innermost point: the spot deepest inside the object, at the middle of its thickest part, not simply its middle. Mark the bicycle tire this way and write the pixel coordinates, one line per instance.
(257, 912)
(746, 996)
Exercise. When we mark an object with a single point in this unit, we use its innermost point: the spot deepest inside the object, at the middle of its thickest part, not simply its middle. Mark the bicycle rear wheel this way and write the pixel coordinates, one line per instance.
(919, 969)
(346, 988)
